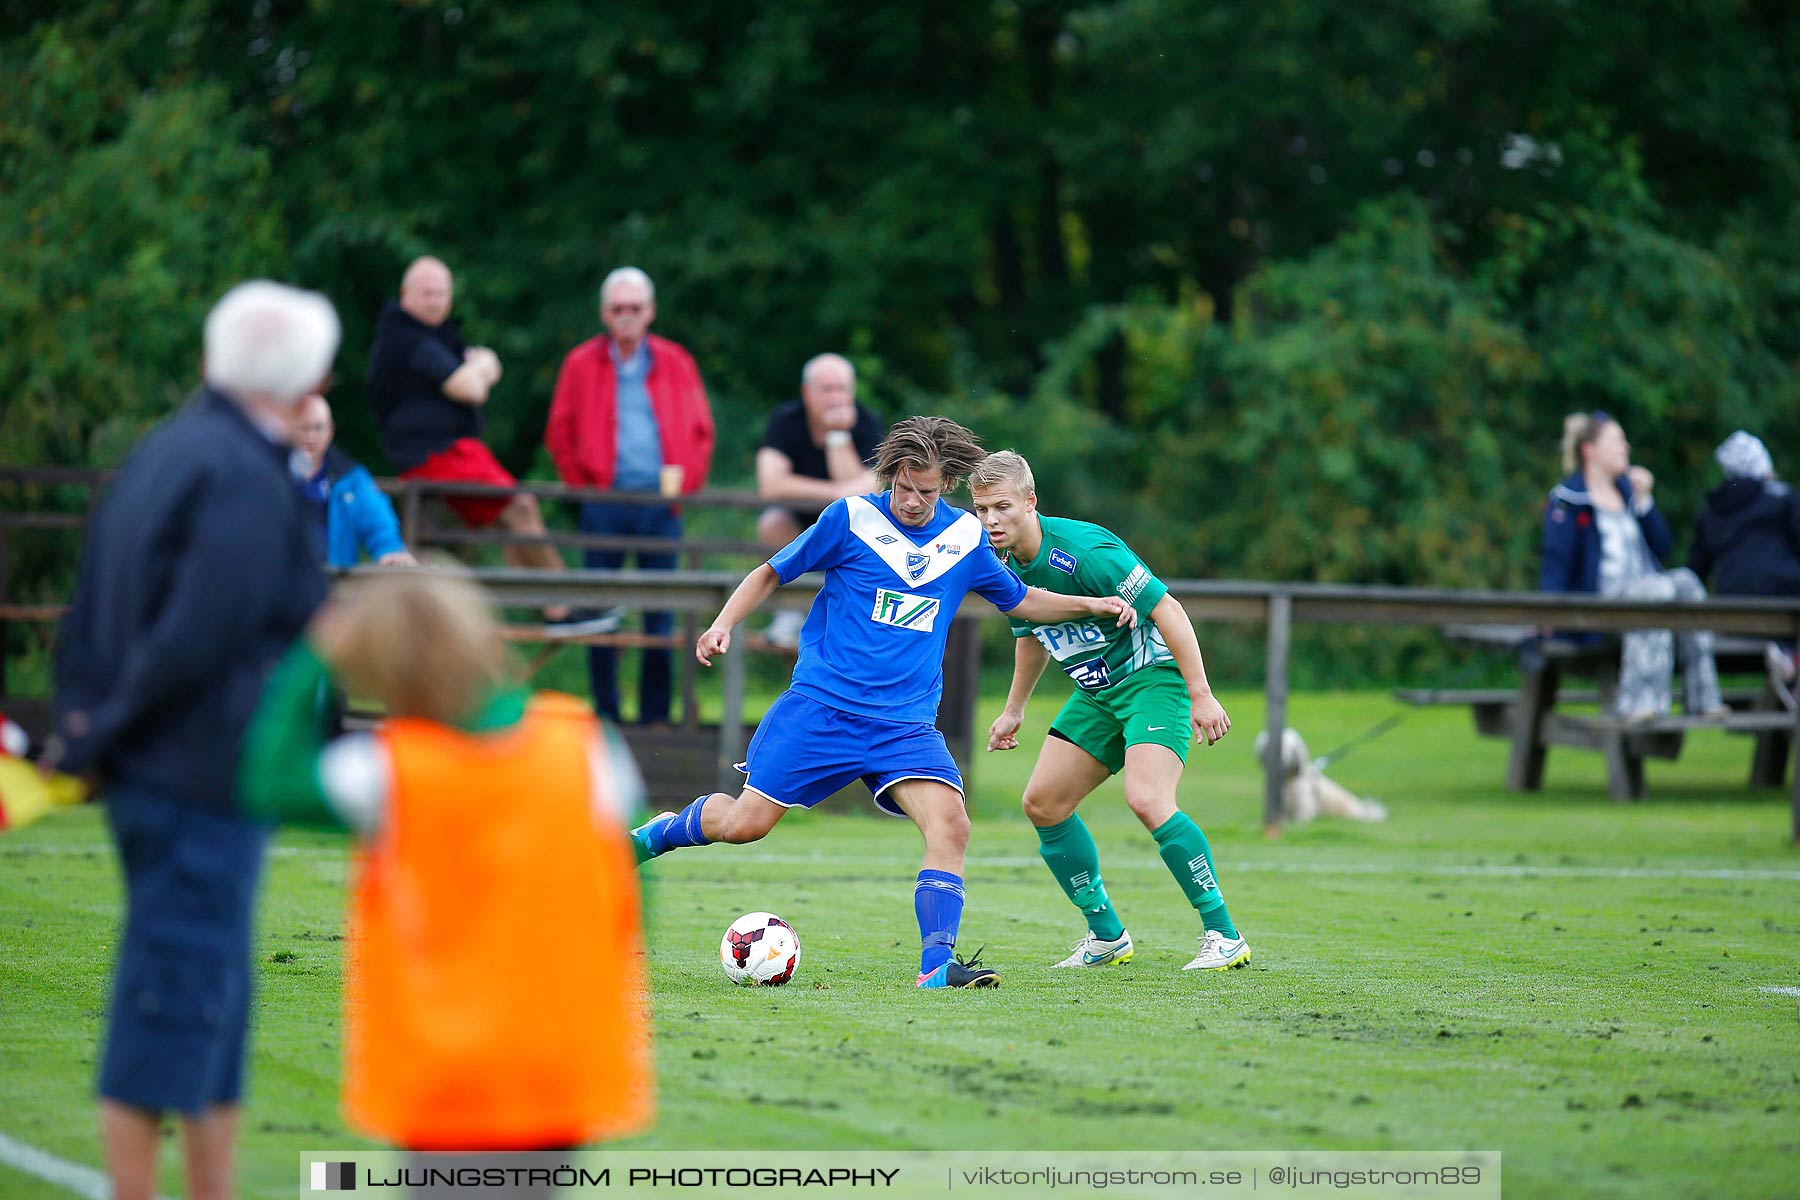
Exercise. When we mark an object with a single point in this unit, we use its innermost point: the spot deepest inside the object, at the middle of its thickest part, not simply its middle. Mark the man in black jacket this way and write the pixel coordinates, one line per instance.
(1747, 538)
(197, 574)
(430, 392)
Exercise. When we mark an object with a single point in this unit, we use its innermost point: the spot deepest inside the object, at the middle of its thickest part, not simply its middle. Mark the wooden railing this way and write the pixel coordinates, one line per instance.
(1276, 606)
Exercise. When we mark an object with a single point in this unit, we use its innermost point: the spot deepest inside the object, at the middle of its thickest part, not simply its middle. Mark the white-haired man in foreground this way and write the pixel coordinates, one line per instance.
(197, 573)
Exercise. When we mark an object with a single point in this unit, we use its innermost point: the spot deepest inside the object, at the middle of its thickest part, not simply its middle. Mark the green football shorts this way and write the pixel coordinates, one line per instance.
(1149, 705)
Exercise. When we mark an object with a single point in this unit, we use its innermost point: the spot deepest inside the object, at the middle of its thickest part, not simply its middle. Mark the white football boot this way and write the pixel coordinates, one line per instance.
(1218, 952)
(1093, 951)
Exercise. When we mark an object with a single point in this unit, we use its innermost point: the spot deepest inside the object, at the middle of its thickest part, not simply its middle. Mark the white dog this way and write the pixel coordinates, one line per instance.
(1306, 792)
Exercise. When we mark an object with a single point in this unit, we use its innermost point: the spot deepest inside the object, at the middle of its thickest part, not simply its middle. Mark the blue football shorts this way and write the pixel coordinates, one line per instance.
(804, 751)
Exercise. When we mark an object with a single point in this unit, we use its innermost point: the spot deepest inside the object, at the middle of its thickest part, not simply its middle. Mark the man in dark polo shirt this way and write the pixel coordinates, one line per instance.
(814, 450)
(197, 574)
(429, 389)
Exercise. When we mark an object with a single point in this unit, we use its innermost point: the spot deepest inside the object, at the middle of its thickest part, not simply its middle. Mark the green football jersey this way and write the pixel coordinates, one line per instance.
(1081, 559)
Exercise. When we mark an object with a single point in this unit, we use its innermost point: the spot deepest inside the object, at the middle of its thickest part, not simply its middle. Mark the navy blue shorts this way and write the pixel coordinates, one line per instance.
(804, 751)
(181, 988)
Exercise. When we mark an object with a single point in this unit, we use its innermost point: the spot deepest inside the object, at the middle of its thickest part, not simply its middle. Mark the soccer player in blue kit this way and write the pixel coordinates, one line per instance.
(864, 695)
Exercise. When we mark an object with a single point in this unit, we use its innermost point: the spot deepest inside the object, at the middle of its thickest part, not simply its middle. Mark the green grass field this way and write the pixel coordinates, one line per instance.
(1571, 982)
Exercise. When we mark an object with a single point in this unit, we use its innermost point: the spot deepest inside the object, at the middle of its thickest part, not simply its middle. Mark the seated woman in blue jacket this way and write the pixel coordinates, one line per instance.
(1604, 534)
(349, 513)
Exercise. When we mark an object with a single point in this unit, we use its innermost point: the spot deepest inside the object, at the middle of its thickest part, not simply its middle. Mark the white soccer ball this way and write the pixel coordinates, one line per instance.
(759, 950)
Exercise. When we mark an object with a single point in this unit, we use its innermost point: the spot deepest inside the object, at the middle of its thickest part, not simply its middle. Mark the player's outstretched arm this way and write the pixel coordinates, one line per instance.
(1205, 712)
(758, 586)
(1042, 606)
(1029, 660)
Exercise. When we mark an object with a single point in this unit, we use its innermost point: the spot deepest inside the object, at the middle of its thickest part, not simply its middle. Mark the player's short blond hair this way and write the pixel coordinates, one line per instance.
(424, 643)
(1003, 469)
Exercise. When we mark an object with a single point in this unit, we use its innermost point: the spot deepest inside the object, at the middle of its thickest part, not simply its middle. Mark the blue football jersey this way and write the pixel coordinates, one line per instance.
(873, 642)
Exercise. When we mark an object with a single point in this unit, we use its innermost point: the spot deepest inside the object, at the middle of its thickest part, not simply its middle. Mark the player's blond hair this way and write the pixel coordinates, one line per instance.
(921, 443)
(424, 643)
(1003, 469)
(1580, 429)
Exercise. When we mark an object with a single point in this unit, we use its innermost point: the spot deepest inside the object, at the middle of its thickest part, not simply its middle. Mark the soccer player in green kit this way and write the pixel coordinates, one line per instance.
(1140, 699)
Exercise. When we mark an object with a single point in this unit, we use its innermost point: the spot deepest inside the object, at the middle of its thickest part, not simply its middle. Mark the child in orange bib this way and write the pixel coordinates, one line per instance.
(495, 997)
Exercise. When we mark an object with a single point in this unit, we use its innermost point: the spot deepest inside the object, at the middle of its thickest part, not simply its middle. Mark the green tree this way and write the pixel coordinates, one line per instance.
(128, 214)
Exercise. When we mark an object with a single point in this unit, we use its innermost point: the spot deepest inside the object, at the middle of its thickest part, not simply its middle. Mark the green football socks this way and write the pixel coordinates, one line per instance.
(1189, 859)
(1068, 850)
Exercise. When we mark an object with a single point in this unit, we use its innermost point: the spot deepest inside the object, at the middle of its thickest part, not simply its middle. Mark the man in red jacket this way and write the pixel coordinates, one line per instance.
(630, 415)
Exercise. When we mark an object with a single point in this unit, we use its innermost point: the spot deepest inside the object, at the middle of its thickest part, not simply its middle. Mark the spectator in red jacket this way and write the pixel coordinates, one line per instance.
(630, 415)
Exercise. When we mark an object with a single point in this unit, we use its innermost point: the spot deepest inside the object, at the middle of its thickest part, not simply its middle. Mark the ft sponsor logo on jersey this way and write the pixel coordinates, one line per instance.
(904, 610)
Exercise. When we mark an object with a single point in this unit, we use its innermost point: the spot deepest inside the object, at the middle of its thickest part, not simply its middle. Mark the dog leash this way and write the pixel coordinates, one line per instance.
(1382, 726)
(1367, 735)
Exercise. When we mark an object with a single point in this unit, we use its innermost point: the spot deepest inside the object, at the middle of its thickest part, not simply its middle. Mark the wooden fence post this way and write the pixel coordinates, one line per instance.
(962, 683)
(690, 632)
(409, 515)
(731, 715)
(1275, 687)
(6, 558)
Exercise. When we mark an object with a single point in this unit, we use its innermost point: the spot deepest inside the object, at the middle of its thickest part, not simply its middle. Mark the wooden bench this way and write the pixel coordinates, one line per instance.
(1532, 716)
(1491, 708)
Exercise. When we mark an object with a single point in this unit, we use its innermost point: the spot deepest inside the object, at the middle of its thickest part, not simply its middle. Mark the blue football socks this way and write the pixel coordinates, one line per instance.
(684, 830)
(938, 902)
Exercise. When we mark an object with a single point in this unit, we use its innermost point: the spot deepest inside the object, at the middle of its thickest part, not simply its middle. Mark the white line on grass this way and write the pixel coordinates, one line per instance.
(1501, 870)
(1493, 870)
(58, 1172)
(1780, 991)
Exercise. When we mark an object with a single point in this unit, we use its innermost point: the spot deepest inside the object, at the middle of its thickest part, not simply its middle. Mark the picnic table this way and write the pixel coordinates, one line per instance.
(1279, 605)
(1536, 714)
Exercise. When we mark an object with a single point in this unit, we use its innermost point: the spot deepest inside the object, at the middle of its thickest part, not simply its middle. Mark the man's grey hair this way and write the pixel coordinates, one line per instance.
(270, 340)
(819, 360)
(627, 275)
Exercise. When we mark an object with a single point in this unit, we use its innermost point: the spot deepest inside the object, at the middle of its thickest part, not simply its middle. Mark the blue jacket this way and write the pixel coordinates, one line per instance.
(359, 518)
(197, 574)
(1571, 548)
